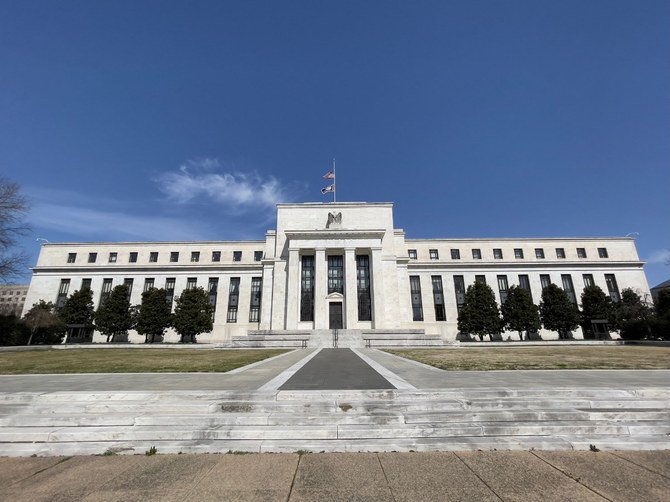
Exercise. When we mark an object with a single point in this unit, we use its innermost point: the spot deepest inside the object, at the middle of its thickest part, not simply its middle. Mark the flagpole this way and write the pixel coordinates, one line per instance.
(335, 183)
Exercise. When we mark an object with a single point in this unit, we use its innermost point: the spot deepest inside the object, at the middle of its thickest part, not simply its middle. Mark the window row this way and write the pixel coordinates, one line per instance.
(503, 288)
(169, 286)
(153, 257)
(498, 253)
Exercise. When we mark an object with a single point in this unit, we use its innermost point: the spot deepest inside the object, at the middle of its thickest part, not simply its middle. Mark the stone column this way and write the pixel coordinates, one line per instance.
(293, 289)
(266, 298)
(320, 289)
(378, 314)
(350, 288)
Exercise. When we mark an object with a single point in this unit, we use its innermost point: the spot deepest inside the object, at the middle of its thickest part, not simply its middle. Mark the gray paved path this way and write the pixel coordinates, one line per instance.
(421, 477)
(250, 378)
(336, 369)
(427, 377)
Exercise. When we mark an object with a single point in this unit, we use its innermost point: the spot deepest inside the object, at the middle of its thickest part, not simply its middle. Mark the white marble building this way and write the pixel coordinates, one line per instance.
(339, 265)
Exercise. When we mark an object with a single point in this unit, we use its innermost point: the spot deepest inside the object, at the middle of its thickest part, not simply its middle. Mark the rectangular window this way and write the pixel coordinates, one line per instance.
(438, 298)
(112, 257)
(92, 257)
(539, 253)
(433, 254)
(258, 255)
(86, 284)
(307, 289)
(335, 274)
(497, 254)
(153, 257)
(588, 280)
(612, 287)
(455, 254)
(560, 253)
(503, 288)
(412, 254)
(518, 253)
(233, 299)
(148, 284)
(212, 291)
(191, 283)
(545, 280)
(195, 256)
(602, 253)
(169, 290)
(71, 257)
(415, 291)
(476, 254)
(237, 255)
(524, 283)
(62, 293)
(174, 256)
(581, 252)
(105, 291)
(480, 278)
(459, 287)
(255, 305)
(363, 287)
(132, 257)
(128, 283)
(216, 255)
(569, 288)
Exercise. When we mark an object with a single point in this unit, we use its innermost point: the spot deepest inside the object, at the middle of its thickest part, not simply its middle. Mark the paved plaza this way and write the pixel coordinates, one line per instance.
(421, 477)
(83, 437)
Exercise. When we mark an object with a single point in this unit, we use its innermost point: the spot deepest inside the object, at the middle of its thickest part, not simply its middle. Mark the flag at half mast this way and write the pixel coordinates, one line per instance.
(330, 175)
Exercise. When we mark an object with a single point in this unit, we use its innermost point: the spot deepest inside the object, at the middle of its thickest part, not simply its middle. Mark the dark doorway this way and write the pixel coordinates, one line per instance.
(335, 315)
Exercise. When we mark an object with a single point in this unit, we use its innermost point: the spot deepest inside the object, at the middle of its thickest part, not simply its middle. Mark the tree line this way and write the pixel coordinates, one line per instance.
(631, 316)
(44, 323)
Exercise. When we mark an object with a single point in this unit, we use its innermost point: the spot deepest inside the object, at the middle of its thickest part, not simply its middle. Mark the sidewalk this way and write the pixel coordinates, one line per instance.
(421, 477)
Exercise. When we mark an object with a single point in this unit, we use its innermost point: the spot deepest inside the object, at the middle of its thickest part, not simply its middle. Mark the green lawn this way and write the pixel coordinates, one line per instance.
(545, 358)
(129, 360)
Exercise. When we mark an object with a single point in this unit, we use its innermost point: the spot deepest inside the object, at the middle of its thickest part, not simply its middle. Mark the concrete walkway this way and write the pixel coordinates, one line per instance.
(420, 376)
(421, 477)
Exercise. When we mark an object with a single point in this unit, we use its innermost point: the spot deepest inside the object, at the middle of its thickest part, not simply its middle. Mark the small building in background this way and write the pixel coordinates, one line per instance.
(12, 298)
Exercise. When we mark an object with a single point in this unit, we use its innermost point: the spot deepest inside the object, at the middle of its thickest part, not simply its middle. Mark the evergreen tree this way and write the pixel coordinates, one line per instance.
(44, 323)
(557, 312)
(663, 304)
(114, 316)
(193, 314)
(519, 313)
(479, 314)
(78, 308)
(597, 305)
(154, 315)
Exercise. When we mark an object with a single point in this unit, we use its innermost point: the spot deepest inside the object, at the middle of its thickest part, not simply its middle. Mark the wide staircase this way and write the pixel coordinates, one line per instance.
(343, 338)
(67, 423)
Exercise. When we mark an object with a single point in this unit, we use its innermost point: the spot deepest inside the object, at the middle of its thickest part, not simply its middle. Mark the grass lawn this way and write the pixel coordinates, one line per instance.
(542, 358)
(129, 360)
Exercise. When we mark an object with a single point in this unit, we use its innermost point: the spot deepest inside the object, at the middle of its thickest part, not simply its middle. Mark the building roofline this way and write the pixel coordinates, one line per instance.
(333, 204)
(511, 239)
(137, 243)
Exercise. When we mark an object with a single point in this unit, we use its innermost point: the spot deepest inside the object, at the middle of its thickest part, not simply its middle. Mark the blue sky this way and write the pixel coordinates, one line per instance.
(158, 120)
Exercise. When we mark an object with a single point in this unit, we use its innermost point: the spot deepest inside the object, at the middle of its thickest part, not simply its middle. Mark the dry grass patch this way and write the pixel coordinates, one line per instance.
(541, 358)
(130, 360)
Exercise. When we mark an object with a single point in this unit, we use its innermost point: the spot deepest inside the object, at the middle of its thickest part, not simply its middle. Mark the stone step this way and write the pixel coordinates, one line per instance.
(554, 443)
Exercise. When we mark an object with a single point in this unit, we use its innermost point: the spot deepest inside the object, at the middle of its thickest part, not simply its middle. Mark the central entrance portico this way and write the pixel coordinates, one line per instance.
(334, 267)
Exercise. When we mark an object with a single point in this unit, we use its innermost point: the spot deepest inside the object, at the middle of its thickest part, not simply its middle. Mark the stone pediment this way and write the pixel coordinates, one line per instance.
(335, 296)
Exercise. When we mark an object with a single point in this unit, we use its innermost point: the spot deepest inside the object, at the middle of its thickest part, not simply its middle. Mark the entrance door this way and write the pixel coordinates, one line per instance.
(335, 315)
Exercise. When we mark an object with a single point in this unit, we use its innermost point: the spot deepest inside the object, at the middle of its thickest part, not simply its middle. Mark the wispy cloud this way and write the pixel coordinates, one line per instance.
(659, 256)
(237, 191)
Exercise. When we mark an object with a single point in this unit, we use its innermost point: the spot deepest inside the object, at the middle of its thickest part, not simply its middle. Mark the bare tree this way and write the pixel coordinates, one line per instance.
(13, 210)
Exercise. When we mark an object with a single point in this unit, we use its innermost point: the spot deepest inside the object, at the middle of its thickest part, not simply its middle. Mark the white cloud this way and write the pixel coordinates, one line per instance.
(659, 256)
(91, 224)
(238, 191)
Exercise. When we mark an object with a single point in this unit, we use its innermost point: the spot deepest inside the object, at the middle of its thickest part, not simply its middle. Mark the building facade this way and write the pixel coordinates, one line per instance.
(12, 298)
(336, 265)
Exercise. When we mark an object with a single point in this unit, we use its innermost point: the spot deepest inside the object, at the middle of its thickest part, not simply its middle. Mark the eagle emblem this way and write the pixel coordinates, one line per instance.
(334, 219)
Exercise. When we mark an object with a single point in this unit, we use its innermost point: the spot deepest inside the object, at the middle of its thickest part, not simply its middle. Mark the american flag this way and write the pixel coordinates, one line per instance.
(330, 175)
